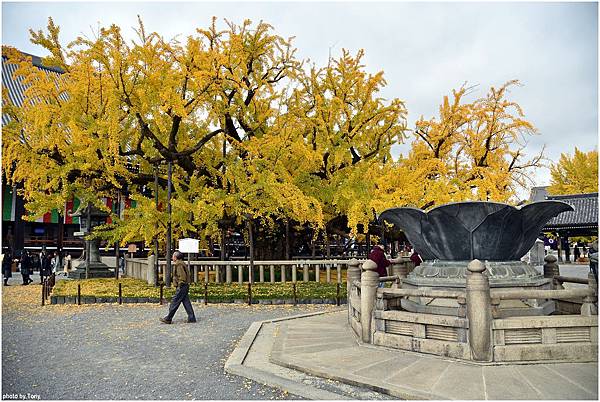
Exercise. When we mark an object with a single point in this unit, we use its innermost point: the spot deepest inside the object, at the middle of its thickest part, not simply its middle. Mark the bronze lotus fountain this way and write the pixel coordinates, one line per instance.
(448, 237)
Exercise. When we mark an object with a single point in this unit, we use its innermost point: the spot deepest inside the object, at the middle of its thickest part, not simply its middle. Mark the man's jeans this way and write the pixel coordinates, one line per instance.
(181, 296)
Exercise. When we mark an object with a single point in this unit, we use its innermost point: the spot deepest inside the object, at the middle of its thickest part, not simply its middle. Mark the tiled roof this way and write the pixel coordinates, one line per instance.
(585, 214)
(16, 87)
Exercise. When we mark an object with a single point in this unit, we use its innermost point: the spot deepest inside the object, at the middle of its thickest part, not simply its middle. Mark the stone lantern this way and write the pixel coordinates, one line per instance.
(97, 268)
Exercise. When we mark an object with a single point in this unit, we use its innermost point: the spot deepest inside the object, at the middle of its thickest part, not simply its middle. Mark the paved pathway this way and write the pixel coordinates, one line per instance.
(123, 352)
(324, 345)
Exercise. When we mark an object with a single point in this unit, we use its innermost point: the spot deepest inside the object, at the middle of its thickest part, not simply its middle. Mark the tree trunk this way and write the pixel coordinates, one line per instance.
(288, 254)
(19, 237)
(223, 244)
(88, 243)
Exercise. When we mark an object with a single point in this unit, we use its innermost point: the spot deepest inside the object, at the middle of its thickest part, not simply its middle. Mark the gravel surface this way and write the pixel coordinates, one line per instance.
(109, 351)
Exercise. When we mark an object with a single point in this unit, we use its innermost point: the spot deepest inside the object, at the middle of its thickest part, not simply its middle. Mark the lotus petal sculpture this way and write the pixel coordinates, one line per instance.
(467, 230)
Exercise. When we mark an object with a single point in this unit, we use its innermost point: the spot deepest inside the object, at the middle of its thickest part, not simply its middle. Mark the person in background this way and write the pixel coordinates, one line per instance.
(377, 255)
(67, 267)
(416, 258)
(46, 266)
(576, 252)
(122, 263)
(7, 262)
(42, 256)
(26, 268)
(181, 280)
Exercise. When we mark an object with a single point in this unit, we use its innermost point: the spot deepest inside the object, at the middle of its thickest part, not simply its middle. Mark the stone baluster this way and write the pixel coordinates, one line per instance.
(339, 273)
(551, 269)
(352, 275)
(261, 273)
(206, 273)
(228, 274)
(495, 303)
(195, 279)
(294, 273)
(588, 308)
(399, 268)
(150, 270)
(590, 303)
(368, 291)
(283, 278)
(240, 270)
(305, 272)
(479, 312)
(592, 283)
(328, 271)
(462, 307)
(272, 273)
(317, 273)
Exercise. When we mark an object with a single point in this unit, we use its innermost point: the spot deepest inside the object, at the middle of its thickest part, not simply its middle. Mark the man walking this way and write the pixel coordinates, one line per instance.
(181, 280)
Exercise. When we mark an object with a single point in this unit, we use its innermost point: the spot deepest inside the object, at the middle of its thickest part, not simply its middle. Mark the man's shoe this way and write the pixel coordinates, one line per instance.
(165, 321)
(191, 321)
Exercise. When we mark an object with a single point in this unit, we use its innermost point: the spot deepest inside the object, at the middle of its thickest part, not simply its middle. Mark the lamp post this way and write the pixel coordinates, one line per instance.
(168, 254)
(156, 226)
(89, 217)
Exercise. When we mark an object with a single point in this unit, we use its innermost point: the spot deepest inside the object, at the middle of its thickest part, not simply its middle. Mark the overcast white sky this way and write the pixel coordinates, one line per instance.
(426, 49)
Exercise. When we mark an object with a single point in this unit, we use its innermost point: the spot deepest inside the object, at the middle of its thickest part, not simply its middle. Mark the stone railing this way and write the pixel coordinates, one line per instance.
(478, 332)
(238, 271)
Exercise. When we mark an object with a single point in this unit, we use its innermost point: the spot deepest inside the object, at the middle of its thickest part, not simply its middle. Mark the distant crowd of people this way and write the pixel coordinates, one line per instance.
(578, 249)
(26, 262)
(46, 262)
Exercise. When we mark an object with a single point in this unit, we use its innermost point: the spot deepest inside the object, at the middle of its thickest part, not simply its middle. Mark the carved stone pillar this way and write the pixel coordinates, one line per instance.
(551, 269)
(479, 312)
(353, 275)
(368, 291)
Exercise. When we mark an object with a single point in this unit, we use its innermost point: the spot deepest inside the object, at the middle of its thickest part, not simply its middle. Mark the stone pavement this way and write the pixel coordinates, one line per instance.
(251, 360)
(324, 346)
(111, 351)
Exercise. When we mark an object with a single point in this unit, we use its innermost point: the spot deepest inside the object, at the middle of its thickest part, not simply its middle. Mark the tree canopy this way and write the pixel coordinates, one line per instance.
(575, 174)
(251, 132)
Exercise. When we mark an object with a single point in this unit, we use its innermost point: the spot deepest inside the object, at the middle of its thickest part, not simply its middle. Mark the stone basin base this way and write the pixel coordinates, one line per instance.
(451, 275)
(97, 270)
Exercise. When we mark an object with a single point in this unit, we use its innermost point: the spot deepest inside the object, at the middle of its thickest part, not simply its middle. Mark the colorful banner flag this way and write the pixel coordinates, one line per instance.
(8, 204)
(9, 200)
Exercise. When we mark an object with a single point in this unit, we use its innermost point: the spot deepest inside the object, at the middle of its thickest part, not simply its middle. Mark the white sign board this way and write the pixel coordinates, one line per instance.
(189, 245)
(78, 233)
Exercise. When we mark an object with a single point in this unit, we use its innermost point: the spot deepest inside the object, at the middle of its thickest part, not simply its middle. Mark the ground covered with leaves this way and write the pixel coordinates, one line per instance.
(217, 292)
(110, 351)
